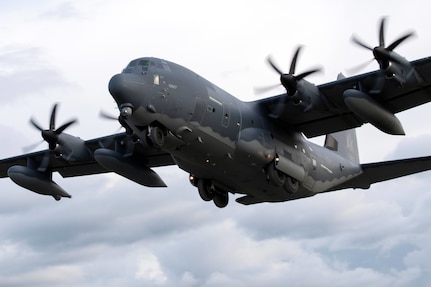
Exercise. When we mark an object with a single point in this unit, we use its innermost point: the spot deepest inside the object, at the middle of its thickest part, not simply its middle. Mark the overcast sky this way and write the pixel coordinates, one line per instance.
(116, 233)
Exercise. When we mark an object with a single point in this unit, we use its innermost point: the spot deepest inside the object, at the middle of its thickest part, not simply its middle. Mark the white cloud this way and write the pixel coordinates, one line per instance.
(149, 269)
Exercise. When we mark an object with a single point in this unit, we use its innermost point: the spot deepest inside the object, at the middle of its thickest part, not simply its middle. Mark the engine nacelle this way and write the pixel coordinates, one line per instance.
(127, 167)
(308, 96)
(72, 148)
(399, 68)
(36, 181)
(369, 110)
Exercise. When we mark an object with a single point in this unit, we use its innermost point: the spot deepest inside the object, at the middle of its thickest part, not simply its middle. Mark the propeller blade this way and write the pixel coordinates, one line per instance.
(261, 90)
(359, 67)
(35, 124)
(360, 43)
(306, 74)
(52, 120)
(274, 66)
(382, 32)
(65, 126)
(294, 59)
(107, 116)
(29, 148)
(399, 41)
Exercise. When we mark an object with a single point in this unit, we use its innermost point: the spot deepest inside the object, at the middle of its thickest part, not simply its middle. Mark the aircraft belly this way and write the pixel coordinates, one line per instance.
(214, 158)
(207, 155)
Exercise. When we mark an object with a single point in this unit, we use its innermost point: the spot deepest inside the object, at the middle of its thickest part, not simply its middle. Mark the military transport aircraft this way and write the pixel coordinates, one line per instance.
(259, 149)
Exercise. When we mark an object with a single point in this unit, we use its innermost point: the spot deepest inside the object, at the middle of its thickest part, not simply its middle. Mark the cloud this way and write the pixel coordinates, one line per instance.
(24, 73)
(412, 146)
(149, 269)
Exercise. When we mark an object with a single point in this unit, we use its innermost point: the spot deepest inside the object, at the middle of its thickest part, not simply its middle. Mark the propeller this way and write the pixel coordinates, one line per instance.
(104, 143)
(381, 53)
(290, 81)
(107, 116)
(51, 134)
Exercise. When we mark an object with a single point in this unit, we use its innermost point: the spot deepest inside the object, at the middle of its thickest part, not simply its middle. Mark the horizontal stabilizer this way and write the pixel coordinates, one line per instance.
(386, 170)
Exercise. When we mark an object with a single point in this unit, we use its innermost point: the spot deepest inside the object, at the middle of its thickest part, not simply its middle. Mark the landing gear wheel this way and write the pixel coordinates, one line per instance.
(276, 177)
(205, 190)
(157, 137)
(221, 199)
(291, 185)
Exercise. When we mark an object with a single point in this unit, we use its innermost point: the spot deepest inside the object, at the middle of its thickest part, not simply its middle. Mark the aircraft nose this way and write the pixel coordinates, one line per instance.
(124, 88)
(117, 88)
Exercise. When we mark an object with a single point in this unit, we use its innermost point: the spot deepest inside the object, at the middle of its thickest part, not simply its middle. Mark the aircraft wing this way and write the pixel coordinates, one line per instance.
(143, 157)
(386, 170)
(337, 116)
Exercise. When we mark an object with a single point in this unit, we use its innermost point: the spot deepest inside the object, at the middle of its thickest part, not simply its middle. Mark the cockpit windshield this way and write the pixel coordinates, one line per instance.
(137, 66)
(141, 66)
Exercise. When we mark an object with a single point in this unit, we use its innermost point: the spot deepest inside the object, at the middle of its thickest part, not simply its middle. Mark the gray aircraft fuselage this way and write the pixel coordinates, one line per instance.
(214, 136)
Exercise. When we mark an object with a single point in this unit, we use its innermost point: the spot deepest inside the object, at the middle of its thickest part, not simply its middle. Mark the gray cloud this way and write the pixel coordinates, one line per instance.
(23, 73)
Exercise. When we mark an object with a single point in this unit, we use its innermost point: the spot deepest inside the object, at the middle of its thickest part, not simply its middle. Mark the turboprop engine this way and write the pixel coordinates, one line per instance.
(37, 175)
(391, 64)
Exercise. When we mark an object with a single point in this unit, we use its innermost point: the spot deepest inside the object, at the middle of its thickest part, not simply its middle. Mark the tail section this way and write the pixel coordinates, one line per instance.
(344, 143)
